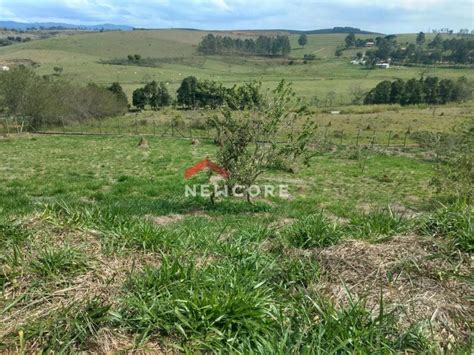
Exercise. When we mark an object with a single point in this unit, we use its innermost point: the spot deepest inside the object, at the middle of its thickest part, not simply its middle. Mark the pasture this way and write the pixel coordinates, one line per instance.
(103, 252)
(175, 53)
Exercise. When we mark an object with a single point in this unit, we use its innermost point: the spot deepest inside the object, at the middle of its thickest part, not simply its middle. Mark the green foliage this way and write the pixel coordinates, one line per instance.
(209, 308)
(354, 329)
(117, 90)
(248, 140)
(35, 101)
(303, 40)
(454, 222)
(207, 93)
(380, 223)
(430, 90)
(264, 45)
(313, 231)
(152, 94)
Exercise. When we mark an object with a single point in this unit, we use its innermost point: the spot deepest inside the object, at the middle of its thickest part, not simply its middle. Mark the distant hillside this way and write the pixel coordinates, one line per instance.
(12, 25)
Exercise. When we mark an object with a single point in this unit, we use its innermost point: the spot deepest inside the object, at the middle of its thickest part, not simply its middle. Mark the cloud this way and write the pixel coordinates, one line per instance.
(383, 16)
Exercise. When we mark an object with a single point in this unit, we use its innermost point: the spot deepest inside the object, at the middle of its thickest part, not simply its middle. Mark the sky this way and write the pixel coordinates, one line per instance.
(392, 16)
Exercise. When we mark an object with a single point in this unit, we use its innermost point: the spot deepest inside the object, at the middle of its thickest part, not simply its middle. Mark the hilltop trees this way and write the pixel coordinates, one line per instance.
(263, 45)
(430, 90)
(303, 40)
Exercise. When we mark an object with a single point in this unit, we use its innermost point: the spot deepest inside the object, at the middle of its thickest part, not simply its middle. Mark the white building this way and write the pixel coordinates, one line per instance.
(383, 65)
(5, 68)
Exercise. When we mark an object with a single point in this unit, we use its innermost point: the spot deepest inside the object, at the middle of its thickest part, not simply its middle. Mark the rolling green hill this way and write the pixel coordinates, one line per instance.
(173, 53)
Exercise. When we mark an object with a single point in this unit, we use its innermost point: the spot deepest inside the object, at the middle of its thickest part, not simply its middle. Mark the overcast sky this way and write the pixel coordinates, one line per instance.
(389, 16)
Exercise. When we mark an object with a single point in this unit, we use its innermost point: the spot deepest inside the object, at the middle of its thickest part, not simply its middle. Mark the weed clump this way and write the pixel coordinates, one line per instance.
(313, 231)
(455, 222)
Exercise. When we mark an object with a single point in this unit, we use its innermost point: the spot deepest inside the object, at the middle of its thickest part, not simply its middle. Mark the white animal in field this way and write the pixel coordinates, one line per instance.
(5, 68)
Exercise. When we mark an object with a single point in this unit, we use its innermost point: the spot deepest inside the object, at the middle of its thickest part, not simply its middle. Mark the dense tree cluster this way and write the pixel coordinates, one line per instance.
(262, 46)
(34, 100)
(193, 93)
(430, 90)
(152, 94)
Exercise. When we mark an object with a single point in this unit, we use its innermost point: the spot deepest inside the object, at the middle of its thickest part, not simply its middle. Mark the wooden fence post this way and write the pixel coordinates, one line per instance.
(118, 125)
(405, 139)
(357, 138)
(136, 126)
(389, 137)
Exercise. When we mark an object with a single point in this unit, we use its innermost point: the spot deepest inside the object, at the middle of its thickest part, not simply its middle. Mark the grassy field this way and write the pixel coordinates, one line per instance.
(102, 251)
(81, 56)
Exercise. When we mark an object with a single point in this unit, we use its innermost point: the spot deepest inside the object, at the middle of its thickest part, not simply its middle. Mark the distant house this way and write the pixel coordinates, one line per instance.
(5, 68)
(369, 44)
(383, 65)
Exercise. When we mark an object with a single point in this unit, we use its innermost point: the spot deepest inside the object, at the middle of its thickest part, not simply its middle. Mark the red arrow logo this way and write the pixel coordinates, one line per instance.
(206, 163)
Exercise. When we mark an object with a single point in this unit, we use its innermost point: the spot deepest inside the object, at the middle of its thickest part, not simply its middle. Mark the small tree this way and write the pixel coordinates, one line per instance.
(248, 141)
(117, 90)
(303, 40)
(350, 40)
(420, 38)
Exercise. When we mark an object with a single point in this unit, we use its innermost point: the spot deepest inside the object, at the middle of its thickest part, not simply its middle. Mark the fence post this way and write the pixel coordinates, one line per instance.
(100, 126)
(64, 128)
(136, 126)
(373, 140)
(405, 139)
(389, 137)
(118, 125)
(172, 129)
(357, 138)
(8, 127)
(342, 135)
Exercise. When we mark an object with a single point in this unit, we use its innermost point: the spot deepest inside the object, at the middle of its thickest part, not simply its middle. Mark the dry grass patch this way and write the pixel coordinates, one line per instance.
(31, 297)
(415, 279)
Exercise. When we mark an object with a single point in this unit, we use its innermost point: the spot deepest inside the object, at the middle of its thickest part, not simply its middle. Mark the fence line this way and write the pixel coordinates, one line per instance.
(324, 135)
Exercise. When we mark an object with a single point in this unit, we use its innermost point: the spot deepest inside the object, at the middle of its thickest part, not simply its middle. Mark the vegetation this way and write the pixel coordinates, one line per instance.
(452, 50)
(247, 142)
(263, 45)
(429, 90)
(193, 93)
(103, 252)
(152, 94)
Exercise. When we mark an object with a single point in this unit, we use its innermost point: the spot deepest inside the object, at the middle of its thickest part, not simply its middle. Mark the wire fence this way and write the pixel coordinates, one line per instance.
(121, 126)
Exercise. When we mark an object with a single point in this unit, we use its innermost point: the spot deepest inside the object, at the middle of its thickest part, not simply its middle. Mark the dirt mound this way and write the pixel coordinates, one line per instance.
(416, 280)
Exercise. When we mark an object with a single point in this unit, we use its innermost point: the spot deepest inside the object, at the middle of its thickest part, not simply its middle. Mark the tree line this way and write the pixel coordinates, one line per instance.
(263, 46)
(194, 93)
(429, 90)
(34, 100)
